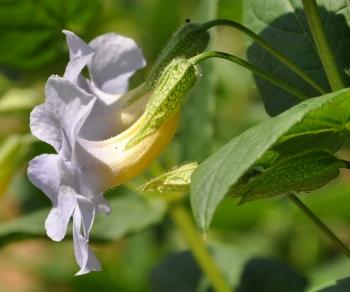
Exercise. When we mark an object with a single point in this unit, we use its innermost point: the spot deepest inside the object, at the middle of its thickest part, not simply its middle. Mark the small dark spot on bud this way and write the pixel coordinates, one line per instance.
(188, 20)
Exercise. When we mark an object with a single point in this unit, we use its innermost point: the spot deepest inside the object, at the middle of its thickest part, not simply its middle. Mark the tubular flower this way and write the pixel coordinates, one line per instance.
(80, 117)
(74, 108)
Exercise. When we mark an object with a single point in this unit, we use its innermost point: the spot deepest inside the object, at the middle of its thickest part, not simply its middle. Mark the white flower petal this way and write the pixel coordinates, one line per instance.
(107, 99)
(101, 204)
(80, 53)
(77, 47)
(116, 59)
(117, 116)
(58, 219)
(87, 212)
(103, 122)
(84, 256)
(59, 119)
(43, 172)
(75, 178)
(45, 127)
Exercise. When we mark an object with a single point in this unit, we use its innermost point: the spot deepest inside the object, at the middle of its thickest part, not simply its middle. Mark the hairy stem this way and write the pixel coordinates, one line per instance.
(323, 227)
(277, 54)
(323, 48)
(265, 75)
(196, 244)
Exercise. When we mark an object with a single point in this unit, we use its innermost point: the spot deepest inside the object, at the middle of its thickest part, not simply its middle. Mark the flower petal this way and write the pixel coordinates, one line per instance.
(43, 172)
(59, 119)
(87, 212)
(80, 53)
(77, 47)
(116, 59)
(107, 99)
(117, 116)
(45, 127)
(84, 256)
(101, 204)
(58, 219)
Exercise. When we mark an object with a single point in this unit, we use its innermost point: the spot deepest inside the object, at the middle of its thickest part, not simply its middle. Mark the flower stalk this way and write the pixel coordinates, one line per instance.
(277, 54)
(261, 73)
(322, 226)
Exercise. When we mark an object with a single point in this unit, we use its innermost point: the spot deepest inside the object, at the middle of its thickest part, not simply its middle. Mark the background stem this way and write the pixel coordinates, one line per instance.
(184, 223)
(324, 228)
(196, 244)
(323, 48)
(278, 55)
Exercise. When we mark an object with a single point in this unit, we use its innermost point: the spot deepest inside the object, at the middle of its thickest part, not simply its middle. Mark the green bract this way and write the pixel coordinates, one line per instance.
(175, 180)
(176, 81)
(306, 171)
(188, 41)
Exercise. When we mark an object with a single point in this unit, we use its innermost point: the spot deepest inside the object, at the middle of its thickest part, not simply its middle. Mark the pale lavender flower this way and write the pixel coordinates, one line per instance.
(76, 110)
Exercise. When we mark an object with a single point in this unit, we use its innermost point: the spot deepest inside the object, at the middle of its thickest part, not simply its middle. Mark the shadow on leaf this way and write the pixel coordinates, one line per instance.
(289, 33)
(270, 275)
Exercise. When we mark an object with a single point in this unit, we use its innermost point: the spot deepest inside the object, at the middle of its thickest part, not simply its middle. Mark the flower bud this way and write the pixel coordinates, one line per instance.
(176, 81)
(189, 40)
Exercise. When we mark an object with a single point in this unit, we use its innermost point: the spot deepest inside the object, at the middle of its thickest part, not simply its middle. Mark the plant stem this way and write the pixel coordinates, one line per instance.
(323, 48)
(196, 244)
(324, 228)
(278, 55)
(267, 76)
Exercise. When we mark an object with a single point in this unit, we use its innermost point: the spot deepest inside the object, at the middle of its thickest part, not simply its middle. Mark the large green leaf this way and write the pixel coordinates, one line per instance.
(215, 176)
(268, 274)
(283, 24)
(31, 29)
(130, 213)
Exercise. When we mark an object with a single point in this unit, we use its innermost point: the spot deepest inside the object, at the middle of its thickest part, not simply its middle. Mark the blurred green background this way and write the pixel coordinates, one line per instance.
(139, 247)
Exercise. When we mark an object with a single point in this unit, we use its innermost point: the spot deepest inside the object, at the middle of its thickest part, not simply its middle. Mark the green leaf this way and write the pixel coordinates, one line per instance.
(19, 100)
(130, 213)
(13, 152)
(175, 180)
(178, 272)
(283, 24)
(217, 174)
(266, 275)
(342, 285)
(31, 29)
